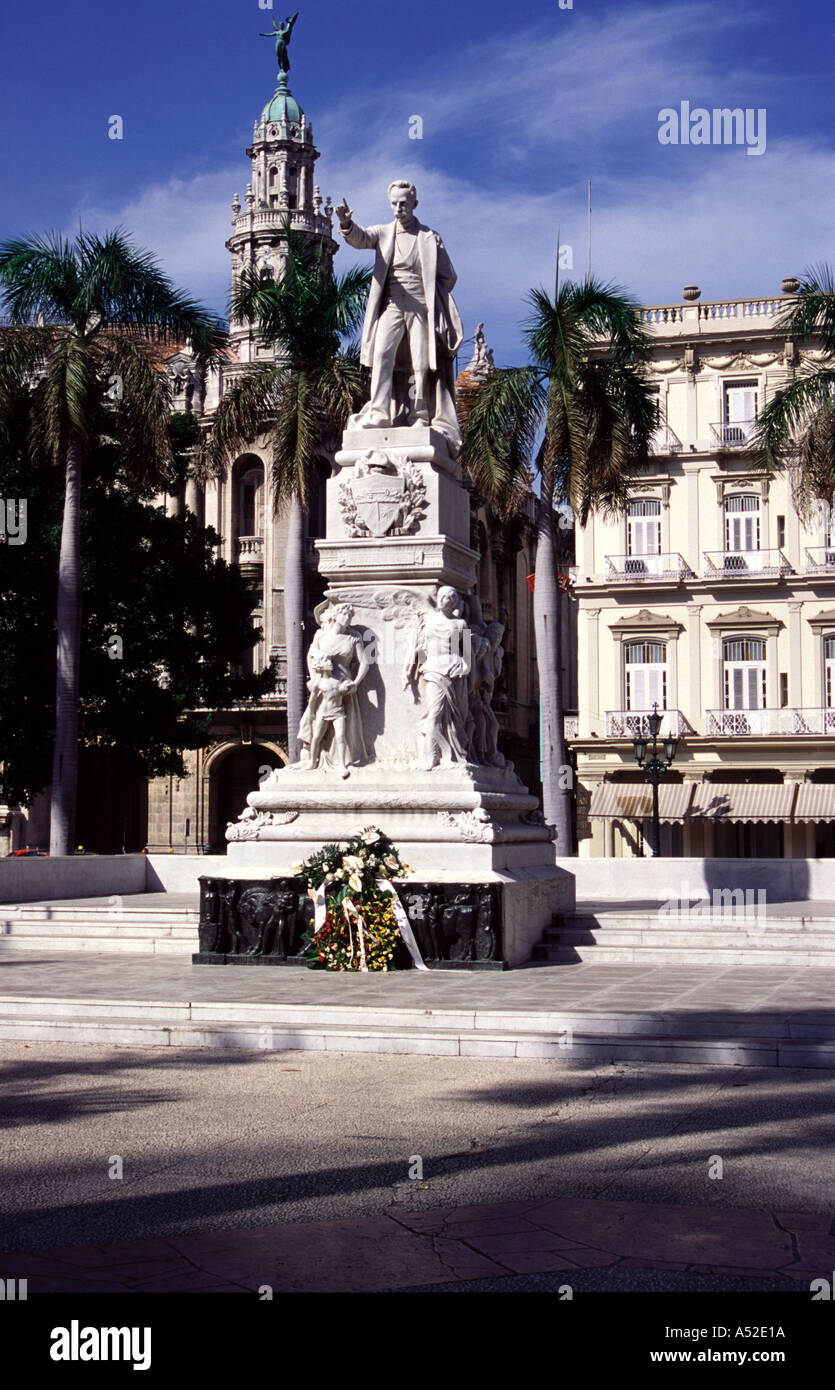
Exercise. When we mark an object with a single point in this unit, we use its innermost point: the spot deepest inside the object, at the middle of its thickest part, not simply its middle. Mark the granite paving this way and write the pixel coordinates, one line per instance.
(581, 986)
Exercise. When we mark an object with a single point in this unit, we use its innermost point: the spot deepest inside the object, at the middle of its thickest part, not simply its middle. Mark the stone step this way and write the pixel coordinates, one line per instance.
(650, 921)
(718, 938)
(36, 912)
(595, 1039)
(695, 1021)
(637, 954)
(27, 926)
(157, 941)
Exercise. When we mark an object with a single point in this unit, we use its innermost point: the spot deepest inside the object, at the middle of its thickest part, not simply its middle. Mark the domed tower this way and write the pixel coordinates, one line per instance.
(281, 191)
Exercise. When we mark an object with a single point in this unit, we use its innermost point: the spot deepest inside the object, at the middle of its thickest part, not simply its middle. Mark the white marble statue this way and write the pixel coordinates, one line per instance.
(489, 670)
(440, 663)
(410, 299)
(337, 663)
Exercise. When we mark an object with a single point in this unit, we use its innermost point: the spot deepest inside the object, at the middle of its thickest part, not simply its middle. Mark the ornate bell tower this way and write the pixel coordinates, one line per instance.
(281, 191)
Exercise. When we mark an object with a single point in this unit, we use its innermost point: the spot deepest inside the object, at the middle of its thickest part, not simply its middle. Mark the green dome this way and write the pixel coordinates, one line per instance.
(282, 106)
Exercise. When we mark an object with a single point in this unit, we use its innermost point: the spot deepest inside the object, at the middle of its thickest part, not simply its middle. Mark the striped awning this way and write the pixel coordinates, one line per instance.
(633, 800)
(815, 801)
(745, 801)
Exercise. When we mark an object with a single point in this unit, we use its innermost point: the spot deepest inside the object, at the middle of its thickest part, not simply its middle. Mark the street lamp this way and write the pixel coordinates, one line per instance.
(654, 767)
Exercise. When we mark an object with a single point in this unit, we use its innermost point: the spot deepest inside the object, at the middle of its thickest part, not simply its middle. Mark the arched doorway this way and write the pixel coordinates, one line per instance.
(233, 774)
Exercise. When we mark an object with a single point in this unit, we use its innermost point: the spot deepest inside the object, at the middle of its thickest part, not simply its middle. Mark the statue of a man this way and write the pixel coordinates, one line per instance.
(282, 33)
(410, 302)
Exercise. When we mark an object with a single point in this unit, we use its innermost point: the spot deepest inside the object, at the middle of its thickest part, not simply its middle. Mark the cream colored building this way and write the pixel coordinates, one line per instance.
(710, 598)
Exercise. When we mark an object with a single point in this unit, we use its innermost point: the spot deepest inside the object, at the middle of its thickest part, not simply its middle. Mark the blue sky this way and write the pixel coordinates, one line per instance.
(521, 104)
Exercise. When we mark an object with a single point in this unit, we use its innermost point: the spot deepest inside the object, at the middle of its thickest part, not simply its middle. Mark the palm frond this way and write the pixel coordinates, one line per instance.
(121, 286)
(296, 441)
(39, 278)
(783, 419)
(813, 310)
(244, 411)
(140, 397)
(503, 419)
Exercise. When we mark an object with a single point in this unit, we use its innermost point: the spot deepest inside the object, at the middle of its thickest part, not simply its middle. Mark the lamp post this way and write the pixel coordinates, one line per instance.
(654, 767)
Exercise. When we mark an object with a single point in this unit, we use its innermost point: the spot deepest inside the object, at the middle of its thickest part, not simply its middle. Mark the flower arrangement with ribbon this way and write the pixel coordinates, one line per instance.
(359, 918)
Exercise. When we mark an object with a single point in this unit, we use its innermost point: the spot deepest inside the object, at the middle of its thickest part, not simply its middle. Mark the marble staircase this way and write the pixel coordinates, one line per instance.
(781, 934)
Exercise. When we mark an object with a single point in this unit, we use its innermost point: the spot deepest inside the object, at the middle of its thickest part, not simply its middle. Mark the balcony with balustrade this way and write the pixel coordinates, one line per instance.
(728, 437)
(820, 559)
(728, 315)
(769, 723)
(665, 441)
(639, 569)
(745, 564)
(250, 549)
(634, 723)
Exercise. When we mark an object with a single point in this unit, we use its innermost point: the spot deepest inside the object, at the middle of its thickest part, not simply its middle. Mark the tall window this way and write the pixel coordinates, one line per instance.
(250, 506)
(829, 671)
(744, 672)
(740, 411)
(742, 522)
(828, 532)
(646, 675)
(643, 526)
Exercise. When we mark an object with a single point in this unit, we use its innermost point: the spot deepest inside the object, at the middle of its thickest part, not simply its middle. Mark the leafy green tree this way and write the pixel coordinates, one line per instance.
(87, 316)
(797, 426)
(585, 400)
(166, 625)
(301, 401)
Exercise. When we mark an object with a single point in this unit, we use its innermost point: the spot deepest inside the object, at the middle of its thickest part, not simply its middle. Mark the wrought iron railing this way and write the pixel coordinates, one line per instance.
(739, 564)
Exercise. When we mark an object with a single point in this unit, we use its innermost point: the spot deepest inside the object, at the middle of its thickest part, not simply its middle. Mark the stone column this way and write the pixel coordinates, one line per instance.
(796, 684)
(195, 499)
(592, 711)
(694, 637)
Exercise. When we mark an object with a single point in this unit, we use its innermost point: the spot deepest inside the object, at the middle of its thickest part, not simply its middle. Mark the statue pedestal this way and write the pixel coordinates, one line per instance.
(456, 820)
(397, 512)
(399, 729)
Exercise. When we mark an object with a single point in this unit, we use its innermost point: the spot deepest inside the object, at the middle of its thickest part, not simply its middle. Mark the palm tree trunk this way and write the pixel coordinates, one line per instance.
(294, 611)
(556, 794)
(65, 761)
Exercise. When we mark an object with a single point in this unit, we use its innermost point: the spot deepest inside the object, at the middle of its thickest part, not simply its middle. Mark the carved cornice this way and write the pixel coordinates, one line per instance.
(744, 617)
(826, 618)
(646, 622)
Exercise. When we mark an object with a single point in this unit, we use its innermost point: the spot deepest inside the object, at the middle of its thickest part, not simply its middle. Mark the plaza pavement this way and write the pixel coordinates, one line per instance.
(291, 1169)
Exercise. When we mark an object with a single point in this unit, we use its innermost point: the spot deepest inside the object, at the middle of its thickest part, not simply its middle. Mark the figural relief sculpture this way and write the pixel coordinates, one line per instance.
(331, 726)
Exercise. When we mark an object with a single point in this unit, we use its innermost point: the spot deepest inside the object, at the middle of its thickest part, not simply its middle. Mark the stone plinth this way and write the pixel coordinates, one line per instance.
(397, 511)
(458, 819)
(460, 922)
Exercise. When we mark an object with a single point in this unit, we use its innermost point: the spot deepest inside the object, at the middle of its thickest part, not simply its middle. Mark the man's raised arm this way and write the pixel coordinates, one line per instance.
(363, 239)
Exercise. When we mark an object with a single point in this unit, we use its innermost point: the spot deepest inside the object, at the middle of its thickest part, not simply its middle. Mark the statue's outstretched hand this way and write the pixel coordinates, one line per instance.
(343, 212)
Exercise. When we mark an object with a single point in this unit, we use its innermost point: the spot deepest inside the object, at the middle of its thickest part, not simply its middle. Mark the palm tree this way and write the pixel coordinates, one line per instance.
(85, 318)
(587, 394)
(797, 426)
(302, 400)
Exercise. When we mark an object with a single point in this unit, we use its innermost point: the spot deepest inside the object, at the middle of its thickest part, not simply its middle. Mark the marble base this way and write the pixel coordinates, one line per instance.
(457, 820)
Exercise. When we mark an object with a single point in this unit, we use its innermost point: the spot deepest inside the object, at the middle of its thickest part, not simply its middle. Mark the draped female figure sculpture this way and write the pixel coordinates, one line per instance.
(337, 663)
(440, 662)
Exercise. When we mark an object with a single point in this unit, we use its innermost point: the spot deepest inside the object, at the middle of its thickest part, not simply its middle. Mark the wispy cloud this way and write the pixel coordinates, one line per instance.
(512, 129)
